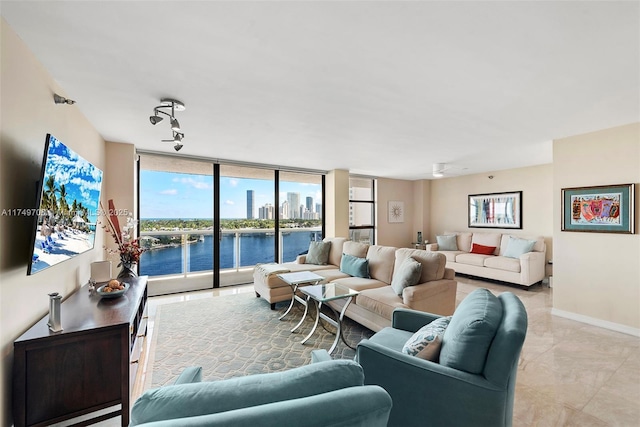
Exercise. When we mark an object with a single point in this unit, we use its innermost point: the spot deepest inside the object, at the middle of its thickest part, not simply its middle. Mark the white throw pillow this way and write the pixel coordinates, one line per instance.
(425, 337)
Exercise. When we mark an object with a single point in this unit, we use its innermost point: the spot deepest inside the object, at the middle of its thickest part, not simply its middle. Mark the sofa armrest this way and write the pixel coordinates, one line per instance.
(411, 320)
(431, 247)
(189, 400)
(422, 291)
(532, 267)
(301, 259)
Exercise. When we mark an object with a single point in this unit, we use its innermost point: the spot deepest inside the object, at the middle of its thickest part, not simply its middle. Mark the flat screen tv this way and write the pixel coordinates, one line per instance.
(66, 210)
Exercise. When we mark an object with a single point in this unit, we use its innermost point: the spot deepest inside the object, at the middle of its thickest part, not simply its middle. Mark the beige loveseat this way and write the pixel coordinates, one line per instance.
(374, 305)
(526, 269)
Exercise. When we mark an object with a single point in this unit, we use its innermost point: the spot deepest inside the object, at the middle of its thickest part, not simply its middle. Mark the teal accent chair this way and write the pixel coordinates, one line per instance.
(323, 394)
(474, 382)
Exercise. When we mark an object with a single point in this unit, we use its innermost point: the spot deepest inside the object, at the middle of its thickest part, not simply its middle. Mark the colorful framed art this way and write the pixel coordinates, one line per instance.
(600, 209)
(496, 210)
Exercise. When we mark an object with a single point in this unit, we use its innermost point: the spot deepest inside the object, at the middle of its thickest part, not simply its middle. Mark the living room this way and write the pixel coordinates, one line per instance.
(596, 279)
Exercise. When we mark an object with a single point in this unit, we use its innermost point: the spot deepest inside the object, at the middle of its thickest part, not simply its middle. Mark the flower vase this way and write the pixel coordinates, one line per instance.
(127, 270)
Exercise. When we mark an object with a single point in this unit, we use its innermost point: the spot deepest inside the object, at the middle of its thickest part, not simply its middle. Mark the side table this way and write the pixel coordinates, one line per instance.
(295, 280)
(321, 294)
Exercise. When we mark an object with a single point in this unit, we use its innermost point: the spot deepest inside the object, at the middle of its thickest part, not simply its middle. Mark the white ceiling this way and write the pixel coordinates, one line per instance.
(384, 88)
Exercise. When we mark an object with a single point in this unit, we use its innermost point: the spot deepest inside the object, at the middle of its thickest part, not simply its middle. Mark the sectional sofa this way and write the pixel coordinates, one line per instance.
(505, 257)
(434, 290)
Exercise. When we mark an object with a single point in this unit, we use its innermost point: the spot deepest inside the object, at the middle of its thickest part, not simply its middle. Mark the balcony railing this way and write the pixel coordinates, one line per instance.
(189, 252)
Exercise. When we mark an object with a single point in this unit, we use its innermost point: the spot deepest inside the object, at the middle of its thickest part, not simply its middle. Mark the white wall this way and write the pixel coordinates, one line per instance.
(597, 275)
(28, 113)
(449, 201)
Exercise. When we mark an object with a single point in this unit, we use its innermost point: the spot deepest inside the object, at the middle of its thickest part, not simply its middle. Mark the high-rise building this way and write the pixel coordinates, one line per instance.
(294, 205)
(284, 210)
(319, 210)
(310, 204)
(266, 211)
(251, 198)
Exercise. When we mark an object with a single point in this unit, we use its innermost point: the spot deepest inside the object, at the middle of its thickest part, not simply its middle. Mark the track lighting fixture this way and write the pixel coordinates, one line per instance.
(62, 100)
(173, 105)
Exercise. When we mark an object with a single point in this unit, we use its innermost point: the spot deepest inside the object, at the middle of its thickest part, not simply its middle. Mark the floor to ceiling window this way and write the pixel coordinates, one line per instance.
(300, 209)
(207, 224)
(362, 219)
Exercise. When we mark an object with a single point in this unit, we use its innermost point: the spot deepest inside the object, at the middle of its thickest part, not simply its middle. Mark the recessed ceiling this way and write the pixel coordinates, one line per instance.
(380, 88)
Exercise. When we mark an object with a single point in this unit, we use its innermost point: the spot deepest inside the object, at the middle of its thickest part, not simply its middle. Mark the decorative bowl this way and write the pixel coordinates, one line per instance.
(112, 294)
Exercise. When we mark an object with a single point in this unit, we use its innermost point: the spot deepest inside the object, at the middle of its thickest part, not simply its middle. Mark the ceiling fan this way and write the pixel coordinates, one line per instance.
(442, 169)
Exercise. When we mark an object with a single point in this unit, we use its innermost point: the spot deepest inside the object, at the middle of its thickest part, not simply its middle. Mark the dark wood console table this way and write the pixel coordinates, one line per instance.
(89, 366)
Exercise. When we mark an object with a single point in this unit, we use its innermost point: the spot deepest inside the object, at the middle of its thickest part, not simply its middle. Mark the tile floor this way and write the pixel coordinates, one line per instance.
(571, 374)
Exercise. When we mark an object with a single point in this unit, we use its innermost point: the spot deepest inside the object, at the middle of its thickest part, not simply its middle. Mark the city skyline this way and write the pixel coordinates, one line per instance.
(180, 195)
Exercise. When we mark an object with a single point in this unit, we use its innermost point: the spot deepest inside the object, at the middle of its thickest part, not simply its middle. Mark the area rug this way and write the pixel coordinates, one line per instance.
(236, 335)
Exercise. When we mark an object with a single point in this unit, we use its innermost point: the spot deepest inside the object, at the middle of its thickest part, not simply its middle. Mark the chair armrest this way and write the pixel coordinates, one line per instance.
(191, 374)
(189, 400)
(411, 320)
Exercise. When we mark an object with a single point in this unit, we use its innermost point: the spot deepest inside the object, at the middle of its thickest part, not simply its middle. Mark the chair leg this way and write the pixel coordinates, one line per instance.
(257, 295)
(273, 306)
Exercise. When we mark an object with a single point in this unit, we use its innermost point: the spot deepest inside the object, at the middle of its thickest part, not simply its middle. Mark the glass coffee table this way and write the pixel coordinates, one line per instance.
(322, 294)
(295, 280)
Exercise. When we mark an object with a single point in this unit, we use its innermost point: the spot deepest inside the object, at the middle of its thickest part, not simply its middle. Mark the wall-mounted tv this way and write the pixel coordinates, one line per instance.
(66, 210)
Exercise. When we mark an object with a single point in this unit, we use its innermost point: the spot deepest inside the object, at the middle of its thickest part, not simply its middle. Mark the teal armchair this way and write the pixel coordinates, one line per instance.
(474, 382)
(323, 394)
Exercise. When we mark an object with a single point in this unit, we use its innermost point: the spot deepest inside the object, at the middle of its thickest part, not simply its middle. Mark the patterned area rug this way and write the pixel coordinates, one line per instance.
(237, 335)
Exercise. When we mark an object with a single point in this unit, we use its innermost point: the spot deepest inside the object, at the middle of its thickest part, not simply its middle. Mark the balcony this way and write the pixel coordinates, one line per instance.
(183, 259)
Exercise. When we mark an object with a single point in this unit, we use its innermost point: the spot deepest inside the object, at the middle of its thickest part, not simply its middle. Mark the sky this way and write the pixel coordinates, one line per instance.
(81, 179)
(177, 195)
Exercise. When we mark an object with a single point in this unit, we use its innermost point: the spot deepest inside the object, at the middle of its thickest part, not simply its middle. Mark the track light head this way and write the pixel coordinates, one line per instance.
(175, 125)
(177, 147)
(155, 118)
(178, 137)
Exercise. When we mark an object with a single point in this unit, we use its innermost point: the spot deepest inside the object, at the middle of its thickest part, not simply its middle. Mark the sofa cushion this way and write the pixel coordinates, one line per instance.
(482, 250)
(359, 284)
(406, 274)
(433, 263)
(381, 260)
(462, 239)
(381, 301)
(487, 239)
(354, 266)
(451, 255)
(503, 263)
(447, 243)
(330, 274)
(517, 247)
(335, 253)
(355, 248)
(466, 341)
(318, 253)
(472, 259)
(424, 337)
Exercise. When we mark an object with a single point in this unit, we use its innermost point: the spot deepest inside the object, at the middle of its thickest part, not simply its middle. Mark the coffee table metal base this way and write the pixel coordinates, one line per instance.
(337, 322)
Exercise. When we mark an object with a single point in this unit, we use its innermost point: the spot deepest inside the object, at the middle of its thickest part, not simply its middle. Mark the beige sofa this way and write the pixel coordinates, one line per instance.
(525, 270)
(374, 305)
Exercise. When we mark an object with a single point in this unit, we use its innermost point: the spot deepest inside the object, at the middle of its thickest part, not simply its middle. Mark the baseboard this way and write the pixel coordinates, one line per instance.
(596, 322)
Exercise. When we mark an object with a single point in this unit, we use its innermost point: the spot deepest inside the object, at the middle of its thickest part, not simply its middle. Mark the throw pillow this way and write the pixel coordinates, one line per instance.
(447, 243)
(408, 274)
(425, 337)
(482, 249)
(318, 253)
(354, 266)
(517, 247)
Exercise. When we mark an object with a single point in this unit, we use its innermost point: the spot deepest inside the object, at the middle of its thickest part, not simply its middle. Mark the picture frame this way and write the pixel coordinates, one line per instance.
(396, 211)
(495, 210)
(599, 209)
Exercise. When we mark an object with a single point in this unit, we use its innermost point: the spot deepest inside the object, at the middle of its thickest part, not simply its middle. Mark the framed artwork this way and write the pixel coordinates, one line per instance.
(601, 209)
(496, 210)
(396, 211)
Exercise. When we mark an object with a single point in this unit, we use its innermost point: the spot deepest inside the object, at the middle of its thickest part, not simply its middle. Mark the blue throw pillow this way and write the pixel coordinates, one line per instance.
(517, 247)
(447, 243)
(354, 266)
